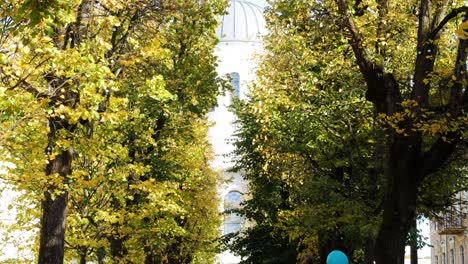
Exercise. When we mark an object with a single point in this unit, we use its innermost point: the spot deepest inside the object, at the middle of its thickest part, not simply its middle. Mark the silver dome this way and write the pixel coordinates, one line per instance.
(244, 22)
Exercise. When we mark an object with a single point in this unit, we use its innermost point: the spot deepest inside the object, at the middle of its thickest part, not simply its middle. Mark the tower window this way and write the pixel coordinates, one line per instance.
(232, 221)
(235, 82)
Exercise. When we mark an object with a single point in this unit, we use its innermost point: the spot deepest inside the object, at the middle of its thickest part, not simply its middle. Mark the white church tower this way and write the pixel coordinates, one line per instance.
(239, 32)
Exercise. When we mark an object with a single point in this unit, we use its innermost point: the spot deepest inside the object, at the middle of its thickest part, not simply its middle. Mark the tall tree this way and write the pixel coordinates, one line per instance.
(323, 59)
(89, 71)
(304, 143)
(413, 153)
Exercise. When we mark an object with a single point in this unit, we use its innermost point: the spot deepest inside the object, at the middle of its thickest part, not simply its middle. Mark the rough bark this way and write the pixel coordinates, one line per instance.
(54, 211)
(399, 204)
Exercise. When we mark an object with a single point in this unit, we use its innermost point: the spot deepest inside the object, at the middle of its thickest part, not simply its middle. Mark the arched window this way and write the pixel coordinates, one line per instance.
(462, 255)
(232, 221)
(235, 82)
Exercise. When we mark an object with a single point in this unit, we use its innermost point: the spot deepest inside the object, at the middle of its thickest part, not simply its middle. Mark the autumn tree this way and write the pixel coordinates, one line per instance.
(356, 109)
(103, 81)
(417, 145)
(304, 143)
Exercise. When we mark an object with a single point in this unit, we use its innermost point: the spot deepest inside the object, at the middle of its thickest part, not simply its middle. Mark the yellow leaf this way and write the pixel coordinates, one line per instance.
(400, 130)
(462, 31)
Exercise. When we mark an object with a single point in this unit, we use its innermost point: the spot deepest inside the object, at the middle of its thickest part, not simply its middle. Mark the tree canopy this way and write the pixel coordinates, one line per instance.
(103, 114)
(357, 114)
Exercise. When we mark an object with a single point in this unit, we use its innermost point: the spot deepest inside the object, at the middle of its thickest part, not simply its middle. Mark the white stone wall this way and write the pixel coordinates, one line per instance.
(448, 244)
(233, 57)
(15, 244)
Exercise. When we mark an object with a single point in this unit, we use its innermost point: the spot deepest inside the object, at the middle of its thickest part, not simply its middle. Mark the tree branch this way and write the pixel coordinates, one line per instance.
(355, 39)
(425, 58)
(440, 11)
(424, 22)
(437, 155)
(454, 13)
(434, 158)
(381, 27)
(458, 90)
(118, 42)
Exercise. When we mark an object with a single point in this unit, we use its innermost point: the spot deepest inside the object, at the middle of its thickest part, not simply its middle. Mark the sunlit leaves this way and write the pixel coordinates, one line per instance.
(462, 31)
(123, 86)
(413, 119)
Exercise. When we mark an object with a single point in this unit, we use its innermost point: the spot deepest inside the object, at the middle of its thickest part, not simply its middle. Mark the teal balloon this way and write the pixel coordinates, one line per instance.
(337, 257)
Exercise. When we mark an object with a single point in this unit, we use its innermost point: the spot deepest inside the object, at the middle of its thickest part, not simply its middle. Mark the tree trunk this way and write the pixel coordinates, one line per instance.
(100, 255)
(54, 211)
(414, 242)
(399, 205)
(149, 257)
(414, 254)
(369, 251)
(116, 239)
(83, 259)
(117, 247)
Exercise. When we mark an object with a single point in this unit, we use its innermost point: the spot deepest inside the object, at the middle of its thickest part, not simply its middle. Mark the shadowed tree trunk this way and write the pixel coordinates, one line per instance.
(100, 255)
(54, 211)
(399, 204)
(83, 258)
(53, 229)
(414, 242)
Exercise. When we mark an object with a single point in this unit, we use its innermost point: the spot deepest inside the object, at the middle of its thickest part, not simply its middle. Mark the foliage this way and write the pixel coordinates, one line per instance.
(319, 148)
(305, 143)
(123, 86)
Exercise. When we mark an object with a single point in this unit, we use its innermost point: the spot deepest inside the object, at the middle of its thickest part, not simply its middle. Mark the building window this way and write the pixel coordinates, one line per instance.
(462, 255)
(232, 221)
(235, 82)
(452, 257)
(444, 261)
(436, 260)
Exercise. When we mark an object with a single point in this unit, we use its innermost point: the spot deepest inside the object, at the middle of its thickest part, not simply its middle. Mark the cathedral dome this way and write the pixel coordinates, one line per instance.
(243, 22)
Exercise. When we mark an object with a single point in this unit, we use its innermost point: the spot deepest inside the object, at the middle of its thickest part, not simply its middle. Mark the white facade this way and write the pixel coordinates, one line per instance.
(240, 40)
(449, 237)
